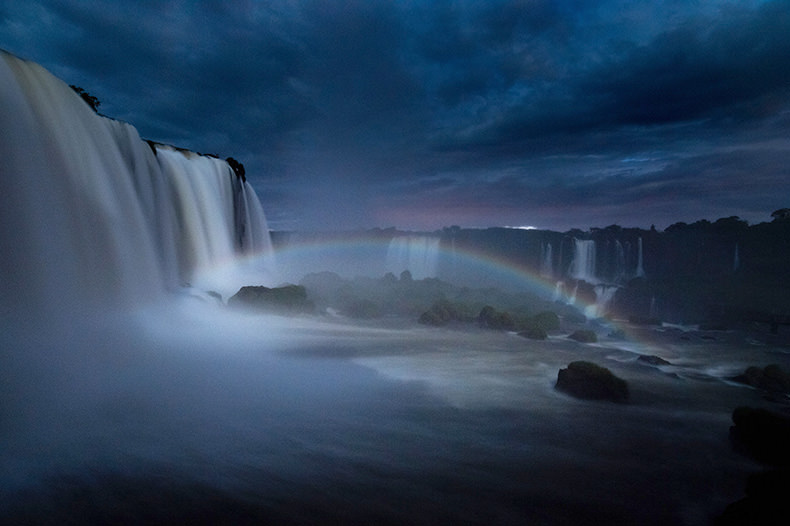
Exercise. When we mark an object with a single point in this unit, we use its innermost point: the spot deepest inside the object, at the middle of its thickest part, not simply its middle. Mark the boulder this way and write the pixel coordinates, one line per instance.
(546, 320)
(593, 382)
(765, 501)
(771, 378)
(652, 360)
(289, 299)
(534, 333)
(761, 434)
(443, 312)
(491, 318)
(584, 336)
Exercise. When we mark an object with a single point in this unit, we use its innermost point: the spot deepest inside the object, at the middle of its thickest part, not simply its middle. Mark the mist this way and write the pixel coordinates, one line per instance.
(187, 409)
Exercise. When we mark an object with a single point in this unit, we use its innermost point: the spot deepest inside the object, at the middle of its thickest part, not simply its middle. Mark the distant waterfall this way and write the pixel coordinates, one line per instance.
(559, 292)
(583, 264)
(604, 294)
(417, 254)
(547, 266)
(619, 261)
(91, 214)
(640, 270)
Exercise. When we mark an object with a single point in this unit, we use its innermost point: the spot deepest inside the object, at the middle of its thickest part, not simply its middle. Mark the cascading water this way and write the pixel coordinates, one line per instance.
(619, 260)
(604, 294)
(91, 214)
(640, 270)
(583, 264)
(547, 266)
(559, 292)
(417, 254)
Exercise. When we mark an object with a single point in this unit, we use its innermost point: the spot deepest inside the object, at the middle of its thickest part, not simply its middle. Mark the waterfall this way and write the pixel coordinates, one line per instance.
(619, 261)
(546, 268)
(640, 271)
(604, 294)
(417, 254)
(583, 264)
(90, 214)
(572, 297)
(559, 292)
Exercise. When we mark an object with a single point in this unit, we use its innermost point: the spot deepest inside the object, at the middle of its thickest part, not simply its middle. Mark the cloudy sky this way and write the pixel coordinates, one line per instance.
(424, 114)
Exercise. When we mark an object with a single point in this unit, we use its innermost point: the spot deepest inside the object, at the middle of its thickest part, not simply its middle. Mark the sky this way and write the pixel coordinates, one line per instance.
(424, 114)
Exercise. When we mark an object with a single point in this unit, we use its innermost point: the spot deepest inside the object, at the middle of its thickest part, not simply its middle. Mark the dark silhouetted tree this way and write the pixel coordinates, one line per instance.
(237, 168)
(89, 99)
(781, 215)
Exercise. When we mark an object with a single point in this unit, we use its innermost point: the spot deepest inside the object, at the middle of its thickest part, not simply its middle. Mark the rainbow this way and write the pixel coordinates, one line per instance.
(363, 254)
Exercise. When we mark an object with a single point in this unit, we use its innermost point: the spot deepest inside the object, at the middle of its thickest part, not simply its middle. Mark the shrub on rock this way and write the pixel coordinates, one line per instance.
(287, 299)
(542, 322)
(491, 318)
(591, 381)
(547, 320)
(534, 333)
(652, 359)
(584, 336)
(443, 312)
(765, 501)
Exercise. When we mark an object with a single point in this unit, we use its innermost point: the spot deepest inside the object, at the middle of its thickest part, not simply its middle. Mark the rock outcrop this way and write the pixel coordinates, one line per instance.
(289, 299)
(771, 378)
(762, 434)
(591, 381)
(651, 359)
(584, 336)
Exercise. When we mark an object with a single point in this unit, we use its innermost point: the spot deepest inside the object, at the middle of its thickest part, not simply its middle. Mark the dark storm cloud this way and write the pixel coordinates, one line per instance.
(188, 67)
(525, 110)
(733, 67)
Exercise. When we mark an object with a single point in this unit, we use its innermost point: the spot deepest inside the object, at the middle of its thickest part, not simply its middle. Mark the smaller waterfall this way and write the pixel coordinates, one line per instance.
(572, 297)
(652, 313)
(546, 267)
(417, 254)
(604, 294)
(559, 292)
(640, 270)
(619, 261)
(583, 264)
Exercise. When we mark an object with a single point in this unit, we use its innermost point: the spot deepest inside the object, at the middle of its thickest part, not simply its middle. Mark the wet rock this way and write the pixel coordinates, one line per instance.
(643, 320)
(534, 333)
(771, 378)
(289, 299)
(584, 336)
(653, 360)
(591, 381)
(761, 434)
(491, 318)
(765, 502)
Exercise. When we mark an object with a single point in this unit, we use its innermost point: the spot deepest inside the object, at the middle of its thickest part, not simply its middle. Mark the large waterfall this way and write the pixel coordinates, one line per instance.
(583, 264)
(417, 254)
(92, 214)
